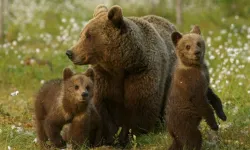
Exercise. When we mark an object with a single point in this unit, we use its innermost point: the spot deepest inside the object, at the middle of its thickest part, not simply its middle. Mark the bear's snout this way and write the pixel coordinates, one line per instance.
(85, 94)
(69, 54)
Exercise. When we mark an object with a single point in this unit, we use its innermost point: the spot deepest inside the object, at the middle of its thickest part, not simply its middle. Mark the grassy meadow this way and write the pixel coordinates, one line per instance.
(37, 34)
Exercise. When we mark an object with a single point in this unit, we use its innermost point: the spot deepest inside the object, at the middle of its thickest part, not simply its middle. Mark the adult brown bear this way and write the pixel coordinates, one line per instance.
(132, 58)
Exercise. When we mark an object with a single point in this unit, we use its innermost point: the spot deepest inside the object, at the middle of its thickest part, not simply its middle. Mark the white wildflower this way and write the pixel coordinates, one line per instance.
(212, 57)
(232, 26)
(14, 93)
(235, 110)
(63, 20)
(42, 81)
(72, 20)
(223, 19)
(22, 62)
(226, 125)
(35, 140)
(19, 129)
(210, 32)
(224, 31)
(248, 36)
(9, 148)
(208, 40)
(14, 43)
(248, 58)
(37, 50)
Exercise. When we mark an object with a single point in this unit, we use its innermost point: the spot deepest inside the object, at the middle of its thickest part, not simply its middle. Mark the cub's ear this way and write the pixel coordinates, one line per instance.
(196, 29)
(67, 73)
(89, 73)
(175, 36)
(115, 15)
(100, 9)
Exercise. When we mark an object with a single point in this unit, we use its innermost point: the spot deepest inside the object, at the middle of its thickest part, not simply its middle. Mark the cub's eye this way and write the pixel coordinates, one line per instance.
(188, 47)
(76, 87)
(199, 44)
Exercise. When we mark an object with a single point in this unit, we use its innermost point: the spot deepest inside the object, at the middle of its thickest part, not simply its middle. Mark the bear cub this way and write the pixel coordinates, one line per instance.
(188, 103)
(58, 102)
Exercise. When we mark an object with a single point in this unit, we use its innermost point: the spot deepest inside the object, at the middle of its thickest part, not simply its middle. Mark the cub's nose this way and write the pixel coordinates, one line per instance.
(85, 94)
(69, 54)
(197, 53)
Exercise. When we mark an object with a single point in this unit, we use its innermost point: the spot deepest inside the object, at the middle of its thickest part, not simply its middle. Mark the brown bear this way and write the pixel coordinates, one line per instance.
(132, 59)
(187, 102)
(57, 102)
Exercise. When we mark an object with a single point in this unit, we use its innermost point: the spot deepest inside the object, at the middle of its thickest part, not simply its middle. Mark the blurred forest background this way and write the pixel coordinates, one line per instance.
(34, 35)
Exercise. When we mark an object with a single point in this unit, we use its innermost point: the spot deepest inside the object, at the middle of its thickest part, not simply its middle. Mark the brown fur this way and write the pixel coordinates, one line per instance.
(187, 102)
(132, 58)
(82, 127)
(57, 102)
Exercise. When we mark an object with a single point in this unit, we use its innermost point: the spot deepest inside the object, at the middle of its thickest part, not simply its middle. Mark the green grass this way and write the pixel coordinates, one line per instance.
(17, 128)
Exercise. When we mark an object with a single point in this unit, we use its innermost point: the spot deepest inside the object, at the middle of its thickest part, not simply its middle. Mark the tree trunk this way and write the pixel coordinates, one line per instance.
(178, 8)
(1, 20)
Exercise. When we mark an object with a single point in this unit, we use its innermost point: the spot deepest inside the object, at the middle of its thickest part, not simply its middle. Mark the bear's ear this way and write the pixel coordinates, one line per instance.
(196, 29)
(67, 73)
(100, 9)
(115, 15)
(175, 36)
(89, 73)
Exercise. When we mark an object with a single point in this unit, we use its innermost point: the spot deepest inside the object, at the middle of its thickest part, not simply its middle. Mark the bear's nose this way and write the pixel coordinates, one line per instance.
(69, 54)
(197, 52)
(85, 94)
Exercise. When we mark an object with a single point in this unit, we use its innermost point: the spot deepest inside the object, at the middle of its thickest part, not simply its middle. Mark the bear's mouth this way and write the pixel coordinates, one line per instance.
(82, 101)
(196, 57)
(78, 63)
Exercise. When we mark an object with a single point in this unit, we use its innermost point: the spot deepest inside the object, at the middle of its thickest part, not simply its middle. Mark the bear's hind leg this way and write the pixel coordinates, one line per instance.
(41, 135)
(194, 140)
(176, 144)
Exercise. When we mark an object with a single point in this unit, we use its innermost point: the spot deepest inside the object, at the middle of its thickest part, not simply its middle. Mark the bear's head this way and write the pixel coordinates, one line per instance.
(190, 48)
(100, 39)
(77, 88)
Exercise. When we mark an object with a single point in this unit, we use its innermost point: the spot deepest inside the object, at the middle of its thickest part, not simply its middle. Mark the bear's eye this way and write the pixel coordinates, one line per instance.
(188, 47)
(87, 88)
(199, 44)
(76, 87)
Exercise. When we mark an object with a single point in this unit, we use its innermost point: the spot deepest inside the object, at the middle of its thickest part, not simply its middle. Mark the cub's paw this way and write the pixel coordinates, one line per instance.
(60, 143)
(222, 115)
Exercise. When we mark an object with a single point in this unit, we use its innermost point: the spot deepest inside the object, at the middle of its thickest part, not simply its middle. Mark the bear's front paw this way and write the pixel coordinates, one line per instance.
(214, 127)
